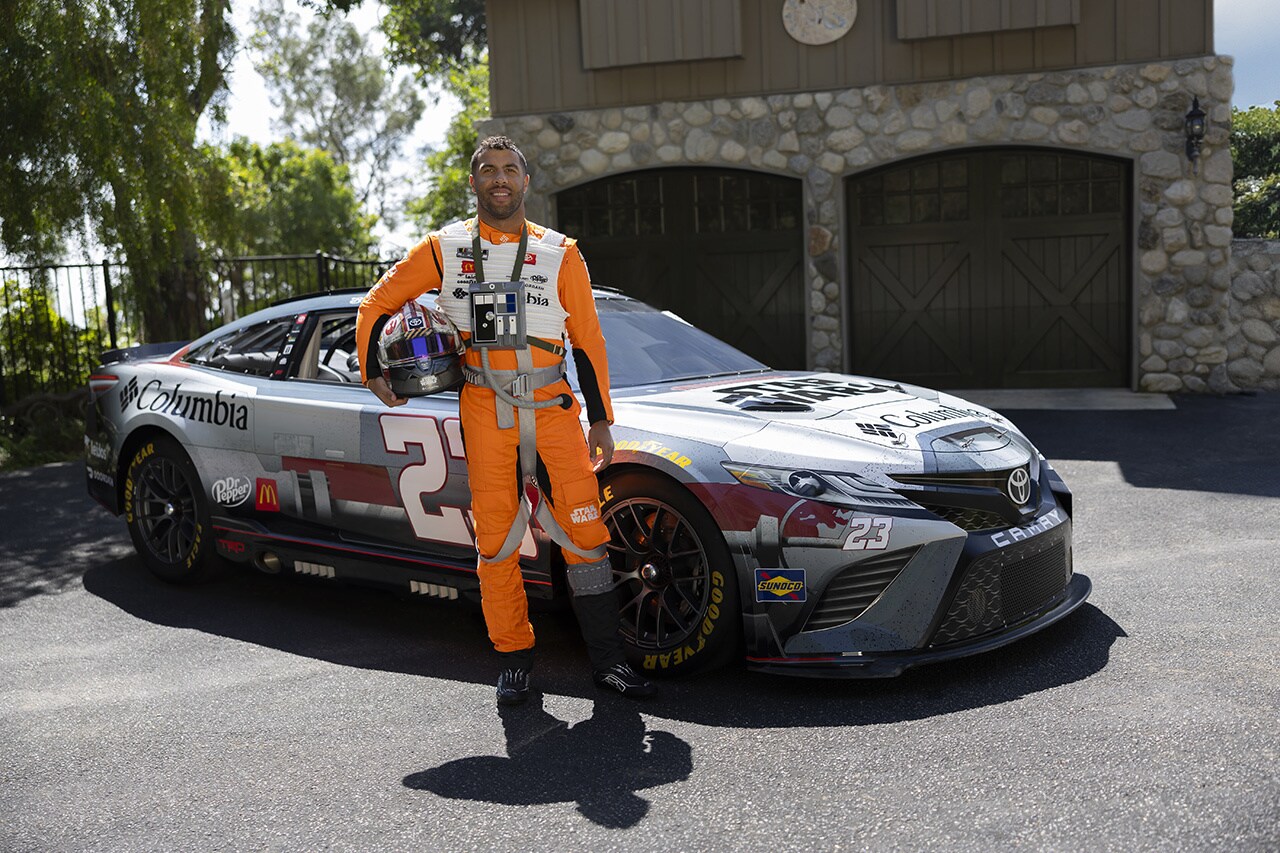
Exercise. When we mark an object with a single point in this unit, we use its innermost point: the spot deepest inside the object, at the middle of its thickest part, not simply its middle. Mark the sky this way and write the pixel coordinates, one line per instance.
(1245, 29)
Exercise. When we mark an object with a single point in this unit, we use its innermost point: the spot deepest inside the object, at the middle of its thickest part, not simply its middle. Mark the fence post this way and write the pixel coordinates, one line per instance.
(111, 303)
(322, 272)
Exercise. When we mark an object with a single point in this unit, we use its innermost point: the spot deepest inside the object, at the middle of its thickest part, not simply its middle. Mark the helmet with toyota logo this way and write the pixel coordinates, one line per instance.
(420, 351)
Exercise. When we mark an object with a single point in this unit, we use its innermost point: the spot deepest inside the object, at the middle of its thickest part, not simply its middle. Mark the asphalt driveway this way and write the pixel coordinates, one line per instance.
(267, 713)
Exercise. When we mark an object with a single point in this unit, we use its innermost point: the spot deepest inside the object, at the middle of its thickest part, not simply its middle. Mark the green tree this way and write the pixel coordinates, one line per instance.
(100, 102)
(448, 190)
(335, 93)
(1255, 151)
(41, 350)
(436, 36)
(447, 41)
(281, 199)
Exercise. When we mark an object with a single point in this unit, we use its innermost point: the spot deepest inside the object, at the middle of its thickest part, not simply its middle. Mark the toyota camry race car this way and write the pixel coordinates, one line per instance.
(812, 523)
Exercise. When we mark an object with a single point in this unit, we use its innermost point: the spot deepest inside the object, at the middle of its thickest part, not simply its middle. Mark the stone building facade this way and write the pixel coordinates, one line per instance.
(1190, 333)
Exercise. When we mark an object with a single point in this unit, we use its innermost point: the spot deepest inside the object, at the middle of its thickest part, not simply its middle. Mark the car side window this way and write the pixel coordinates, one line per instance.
(330, 352)
(250, 349)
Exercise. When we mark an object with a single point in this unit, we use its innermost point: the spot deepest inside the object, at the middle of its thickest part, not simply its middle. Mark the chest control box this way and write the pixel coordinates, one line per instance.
(497, 315)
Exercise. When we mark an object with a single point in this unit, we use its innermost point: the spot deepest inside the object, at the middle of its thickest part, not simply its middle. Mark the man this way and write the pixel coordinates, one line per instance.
(558, 300)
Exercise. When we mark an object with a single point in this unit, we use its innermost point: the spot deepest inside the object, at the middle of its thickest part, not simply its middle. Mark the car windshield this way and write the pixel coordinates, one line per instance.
(646, 346)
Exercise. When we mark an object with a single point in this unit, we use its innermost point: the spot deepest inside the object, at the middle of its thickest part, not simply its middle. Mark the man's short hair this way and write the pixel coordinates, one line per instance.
(497, 143)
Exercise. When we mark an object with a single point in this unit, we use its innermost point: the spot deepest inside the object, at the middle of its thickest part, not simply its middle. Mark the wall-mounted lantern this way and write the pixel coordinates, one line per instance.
(1195, 133)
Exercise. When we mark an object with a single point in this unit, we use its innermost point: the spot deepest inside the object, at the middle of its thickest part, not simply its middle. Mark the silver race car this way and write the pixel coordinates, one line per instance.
(810, 523)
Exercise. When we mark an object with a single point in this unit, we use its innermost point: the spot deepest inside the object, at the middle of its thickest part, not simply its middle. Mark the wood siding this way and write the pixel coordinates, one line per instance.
(639, 32)
(536, 53)
(918, 19)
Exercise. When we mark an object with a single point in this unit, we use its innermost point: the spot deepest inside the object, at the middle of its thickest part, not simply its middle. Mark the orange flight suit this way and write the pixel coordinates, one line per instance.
(492, 453)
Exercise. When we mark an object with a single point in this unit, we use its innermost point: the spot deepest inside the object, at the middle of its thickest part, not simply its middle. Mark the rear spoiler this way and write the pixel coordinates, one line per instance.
(141, 352)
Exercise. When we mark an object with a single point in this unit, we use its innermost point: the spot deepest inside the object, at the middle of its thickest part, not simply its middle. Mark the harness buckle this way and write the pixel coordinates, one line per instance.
(520, 385)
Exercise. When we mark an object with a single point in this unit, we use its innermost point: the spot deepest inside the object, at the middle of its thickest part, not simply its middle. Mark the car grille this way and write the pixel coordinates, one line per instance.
(856, 588)
(1002, 588)
(985, 479)
(967, 518)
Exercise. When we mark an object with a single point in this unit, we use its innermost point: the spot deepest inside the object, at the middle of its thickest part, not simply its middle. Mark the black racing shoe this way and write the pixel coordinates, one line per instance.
(513, 686)
(622, 678)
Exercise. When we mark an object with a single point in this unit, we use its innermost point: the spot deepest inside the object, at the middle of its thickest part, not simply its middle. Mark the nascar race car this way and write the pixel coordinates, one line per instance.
(809, 523)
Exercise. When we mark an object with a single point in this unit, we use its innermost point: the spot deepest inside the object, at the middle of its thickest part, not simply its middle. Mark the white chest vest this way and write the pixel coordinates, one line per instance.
(544, 315)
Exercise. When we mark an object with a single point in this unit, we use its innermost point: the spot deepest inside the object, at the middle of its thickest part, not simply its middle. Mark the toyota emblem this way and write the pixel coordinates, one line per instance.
(1020, 486)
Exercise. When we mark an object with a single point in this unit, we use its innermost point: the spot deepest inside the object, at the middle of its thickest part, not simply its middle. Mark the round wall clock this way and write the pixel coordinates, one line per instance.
(818, 21)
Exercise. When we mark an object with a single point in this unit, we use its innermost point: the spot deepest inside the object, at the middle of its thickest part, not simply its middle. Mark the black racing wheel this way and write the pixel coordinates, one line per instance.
(167, 512)
(675, 581)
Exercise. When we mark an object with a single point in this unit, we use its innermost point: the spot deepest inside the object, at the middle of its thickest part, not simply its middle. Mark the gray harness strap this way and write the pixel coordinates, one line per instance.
(514, 389)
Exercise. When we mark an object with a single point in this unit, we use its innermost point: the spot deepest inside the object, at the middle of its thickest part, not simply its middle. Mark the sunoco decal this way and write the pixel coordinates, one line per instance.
(154, 397)
(780, 585)
(810, 390)
(231, 491)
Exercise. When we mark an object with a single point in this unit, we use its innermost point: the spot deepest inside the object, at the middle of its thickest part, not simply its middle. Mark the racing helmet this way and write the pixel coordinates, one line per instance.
(420, 351)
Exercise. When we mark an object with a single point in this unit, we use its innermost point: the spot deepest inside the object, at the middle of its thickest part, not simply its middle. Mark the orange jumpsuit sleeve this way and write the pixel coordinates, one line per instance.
(583, 326)
(415, 274)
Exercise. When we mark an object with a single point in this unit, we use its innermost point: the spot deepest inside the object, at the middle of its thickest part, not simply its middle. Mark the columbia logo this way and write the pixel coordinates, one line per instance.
(129, 393)
(877, 429)
(459, 293)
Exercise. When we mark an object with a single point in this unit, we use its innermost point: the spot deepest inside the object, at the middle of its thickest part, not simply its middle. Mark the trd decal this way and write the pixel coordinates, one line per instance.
(786, 585)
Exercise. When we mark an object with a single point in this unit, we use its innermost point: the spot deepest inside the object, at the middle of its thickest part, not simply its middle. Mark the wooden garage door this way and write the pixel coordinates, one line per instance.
(721, 248)
(996, 269)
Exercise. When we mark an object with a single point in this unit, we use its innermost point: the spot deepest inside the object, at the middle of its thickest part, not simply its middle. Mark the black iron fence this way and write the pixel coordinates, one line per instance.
(56, 321)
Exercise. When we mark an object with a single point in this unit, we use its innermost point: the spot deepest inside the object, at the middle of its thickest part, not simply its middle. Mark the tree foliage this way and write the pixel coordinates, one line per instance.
(448, 190)
(335, 93)
(41, 349)
(1255, 151)
(100, 102)
(436, 36)
(280, 199)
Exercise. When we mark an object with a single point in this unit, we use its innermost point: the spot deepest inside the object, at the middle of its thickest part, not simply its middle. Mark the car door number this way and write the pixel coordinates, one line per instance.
(868, 534)
(428, 477)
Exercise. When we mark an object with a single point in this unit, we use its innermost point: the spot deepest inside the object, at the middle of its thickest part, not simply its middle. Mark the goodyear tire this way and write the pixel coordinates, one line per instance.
(674, 577)
(168, 514)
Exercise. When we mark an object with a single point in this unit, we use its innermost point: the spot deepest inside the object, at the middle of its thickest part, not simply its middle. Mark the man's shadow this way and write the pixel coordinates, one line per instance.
(598, 763)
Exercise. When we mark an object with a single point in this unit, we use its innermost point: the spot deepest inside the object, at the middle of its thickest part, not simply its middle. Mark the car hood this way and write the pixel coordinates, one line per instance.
(824, 415)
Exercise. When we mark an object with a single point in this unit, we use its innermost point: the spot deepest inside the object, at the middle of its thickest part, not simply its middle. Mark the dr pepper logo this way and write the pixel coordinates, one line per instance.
(232, 491)
(266, 496)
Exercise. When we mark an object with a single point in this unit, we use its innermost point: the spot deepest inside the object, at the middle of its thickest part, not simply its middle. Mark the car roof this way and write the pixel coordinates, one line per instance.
(345, 298)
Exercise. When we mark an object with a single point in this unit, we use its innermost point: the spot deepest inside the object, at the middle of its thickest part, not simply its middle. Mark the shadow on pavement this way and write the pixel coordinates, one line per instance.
(1211, 444)
(374, 630)
(599, 763)
(51, 531)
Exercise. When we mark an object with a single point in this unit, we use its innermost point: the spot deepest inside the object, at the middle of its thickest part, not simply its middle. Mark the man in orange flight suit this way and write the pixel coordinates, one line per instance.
(558, 300)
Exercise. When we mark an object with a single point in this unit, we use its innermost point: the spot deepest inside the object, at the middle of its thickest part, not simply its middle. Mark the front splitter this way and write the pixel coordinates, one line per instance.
(890, 664)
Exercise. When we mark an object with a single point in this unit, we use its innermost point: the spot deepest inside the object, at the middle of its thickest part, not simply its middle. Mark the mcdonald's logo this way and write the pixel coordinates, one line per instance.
(468, 267)
(267, 496)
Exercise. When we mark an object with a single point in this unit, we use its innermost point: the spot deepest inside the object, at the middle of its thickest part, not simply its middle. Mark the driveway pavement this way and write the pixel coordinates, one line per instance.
(266, 713)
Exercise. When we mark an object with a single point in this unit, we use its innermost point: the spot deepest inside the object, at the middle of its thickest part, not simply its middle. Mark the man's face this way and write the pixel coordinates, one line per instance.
(499, 183)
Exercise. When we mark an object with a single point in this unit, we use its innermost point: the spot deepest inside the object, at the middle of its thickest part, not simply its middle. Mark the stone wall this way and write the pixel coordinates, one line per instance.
(1136, 112)
(1253, 321)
